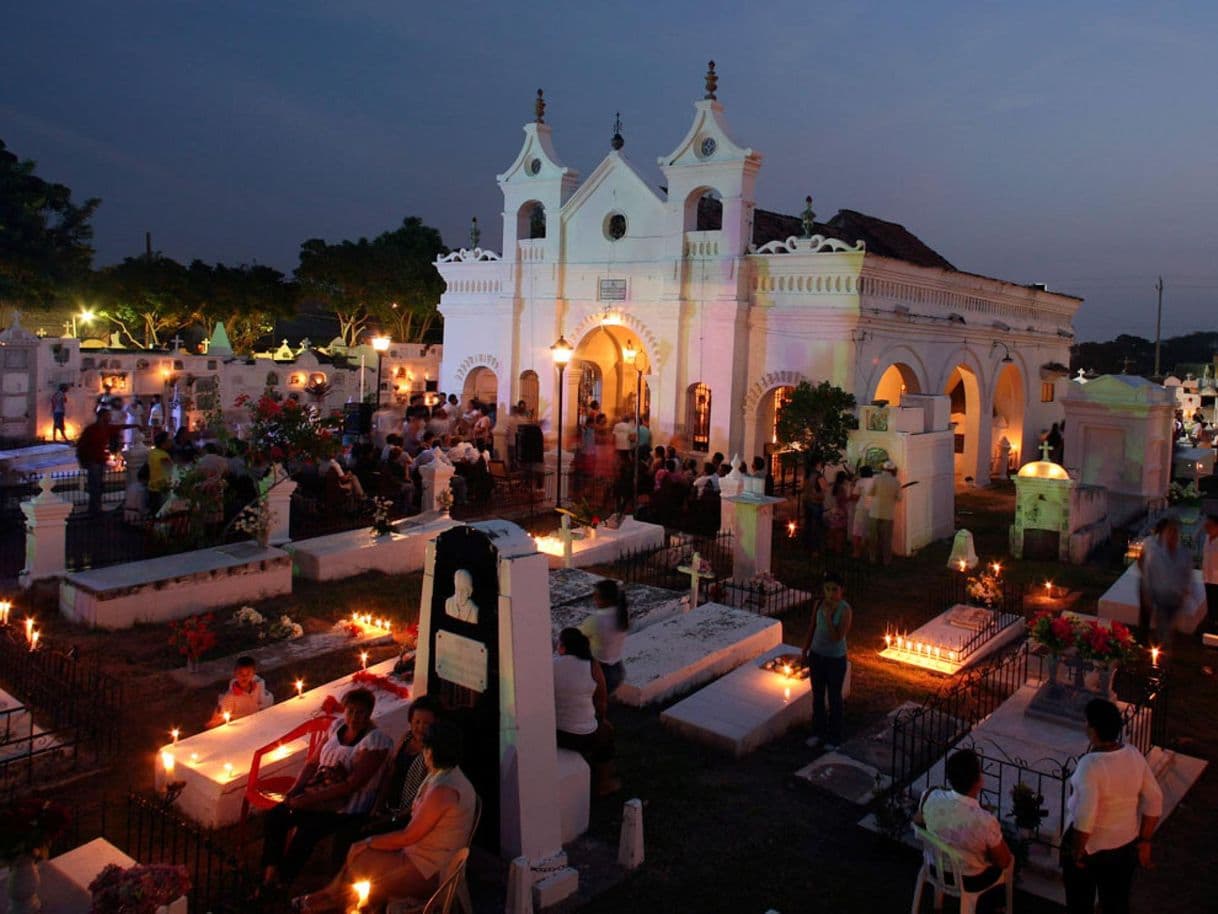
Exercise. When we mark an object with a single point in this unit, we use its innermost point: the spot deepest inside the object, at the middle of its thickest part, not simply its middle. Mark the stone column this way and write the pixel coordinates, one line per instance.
(752, 534)
(436, 474)
(46, 517)
(279, 501)
(135, 456)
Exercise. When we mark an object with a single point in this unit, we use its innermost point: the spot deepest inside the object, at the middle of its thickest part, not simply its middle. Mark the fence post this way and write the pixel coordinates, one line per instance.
(46, 532)
(279, 501)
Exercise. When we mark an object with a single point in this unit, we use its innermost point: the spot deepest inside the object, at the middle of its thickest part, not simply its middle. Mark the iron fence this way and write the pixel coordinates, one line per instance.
(952, 588)
(765, 597)
(657, 566)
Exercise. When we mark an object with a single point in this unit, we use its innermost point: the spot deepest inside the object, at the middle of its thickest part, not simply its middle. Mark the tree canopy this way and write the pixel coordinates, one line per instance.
(390, 280)
(814, 421)
(44, 236)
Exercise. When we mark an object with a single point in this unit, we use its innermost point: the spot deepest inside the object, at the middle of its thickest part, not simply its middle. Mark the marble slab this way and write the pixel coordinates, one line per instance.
(352, 552)
(19, 734)
(212, 794)
(747, 708)
(674, 656)
(175, 586)
(1121, 601)
(603, 546)
(946, 632)
(646, 605)
(568, 585)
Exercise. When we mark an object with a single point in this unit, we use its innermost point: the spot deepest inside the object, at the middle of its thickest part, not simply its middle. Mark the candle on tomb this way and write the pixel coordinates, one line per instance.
(786, 694)
(228, 717)
(168, 763)
(175, 733)
(228, 771)
(791, 529)
(363, 889)
(1154, 656)
(29, 628)
(300, 688)
(6, 607)
(363, 660)
(34, 640)
(963, 566)
(194, 757)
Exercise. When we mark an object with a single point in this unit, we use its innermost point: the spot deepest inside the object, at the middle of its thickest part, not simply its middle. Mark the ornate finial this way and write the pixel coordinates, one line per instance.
(539, 108)
(712, 80)
(475, 233)
(807, 217)
(617, 142)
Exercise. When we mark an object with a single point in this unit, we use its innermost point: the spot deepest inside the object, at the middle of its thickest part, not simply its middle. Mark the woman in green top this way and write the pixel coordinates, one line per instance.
(825, 651)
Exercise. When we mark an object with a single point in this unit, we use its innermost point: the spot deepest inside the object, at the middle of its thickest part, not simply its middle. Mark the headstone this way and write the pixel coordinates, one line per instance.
(752, 532)
(964, 555)
(485, 651)
(630, 842)
(437, 475)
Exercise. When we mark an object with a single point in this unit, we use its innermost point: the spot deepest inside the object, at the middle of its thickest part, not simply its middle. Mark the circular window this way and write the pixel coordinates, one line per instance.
(615, 227)
(708, 147)
(535, 167)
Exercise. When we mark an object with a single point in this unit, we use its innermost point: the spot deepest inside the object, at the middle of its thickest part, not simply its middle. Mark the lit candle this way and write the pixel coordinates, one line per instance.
(997, 568)
(786, 694)
(1154, 656)
(300, 688)
(952, 656)
(791, 529)
(29, 629)
(1048, 588)
(228, 717)
(194, 757)
(363, 660)
(34, 640)
(175, 733)
(228, 771)
(963, 565)
(6, 607)
(168, 763)
(363, 889)
(887, 640)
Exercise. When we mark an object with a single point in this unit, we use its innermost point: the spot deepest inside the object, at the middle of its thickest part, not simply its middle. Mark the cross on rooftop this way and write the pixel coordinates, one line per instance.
(1045, 447)
(176, 343)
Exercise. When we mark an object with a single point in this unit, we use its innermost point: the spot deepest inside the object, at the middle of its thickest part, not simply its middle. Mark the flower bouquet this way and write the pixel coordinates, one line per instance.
(348, 628)
(444, 500)
(193, 637)
(1105, 645)
(283, 630)
(382, 520)
(1052, 631)
(28, 827)
(137, 890)
(255, 521)
(984, 588)
(247, 617)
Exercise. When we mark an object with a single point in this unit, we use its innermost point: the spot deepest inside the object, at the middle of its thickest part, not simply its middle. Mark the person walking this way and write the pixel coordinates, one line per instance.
(59, 409)
(1114, 805)
(824, 650)
(1167, 576)
(885, 493)
(92, 451)
(1209, 570)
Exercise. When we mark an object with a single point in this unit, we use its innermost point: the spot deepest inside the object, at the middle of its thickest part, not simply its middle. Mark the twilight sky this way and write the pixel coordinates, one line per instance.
(1068, 143)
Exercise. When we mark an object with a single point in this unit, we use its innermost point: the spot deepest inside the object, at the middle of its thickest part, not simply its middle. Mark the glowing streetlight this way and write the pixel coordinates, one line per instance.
(380, 343)
(561, 352)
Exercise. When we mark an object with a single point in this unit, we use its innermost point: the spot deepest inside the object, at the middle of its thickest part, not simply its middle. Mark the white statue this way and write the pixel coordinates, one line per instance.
(461, 605)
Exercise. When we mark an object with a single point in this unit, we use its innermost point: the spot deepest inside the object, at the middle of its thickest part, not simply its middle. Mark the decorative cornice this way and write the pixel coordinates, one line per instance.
(466, 255)
(768, 382)
(478, 360)
(817, 244)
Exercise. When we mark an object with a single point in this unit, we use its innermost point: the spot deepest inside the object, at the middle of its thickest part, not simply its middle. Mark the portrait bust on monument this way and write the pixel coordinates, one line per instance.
(461, 605)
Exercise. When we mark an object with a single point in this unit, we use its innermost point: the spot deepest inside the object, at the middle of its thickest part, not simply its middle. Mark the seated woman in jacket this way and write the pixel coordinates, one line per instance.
(334, 790)
(581, 700)
(410, 863)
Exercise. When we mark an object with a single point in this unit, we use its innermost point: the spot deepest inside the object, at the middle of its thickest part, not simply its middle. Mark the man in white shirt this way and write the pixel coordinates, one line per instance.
(1115, 803)
(1209, 570)
(623, 439)
(956, 818)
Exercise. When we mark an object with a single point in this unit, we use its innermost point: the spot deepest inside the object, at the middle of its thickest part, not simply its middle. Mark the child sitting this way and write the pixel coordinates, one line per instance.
(246, 694)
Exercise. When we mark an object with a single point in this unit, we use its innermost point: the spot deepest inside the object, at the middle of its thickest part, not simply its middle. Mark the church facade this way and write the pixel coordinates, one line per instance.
(729, 306)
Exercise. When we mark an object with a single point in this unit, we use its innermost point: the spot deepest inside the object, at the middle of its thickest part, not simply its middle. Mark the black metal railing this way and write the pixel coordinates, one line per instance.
(765, 597)
(999, 622)
(658, 566)
(951, 588)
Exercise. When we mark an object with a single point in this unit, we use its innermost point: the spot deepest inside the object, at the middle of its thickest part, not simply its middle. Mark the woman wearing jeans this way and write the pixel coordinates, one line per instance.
(825, 651)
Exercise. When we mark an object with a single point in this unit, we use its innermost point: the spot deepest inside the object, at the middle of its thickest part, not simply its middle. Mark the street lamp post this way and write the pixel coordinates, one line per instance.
(86, 317)
(631, 354)
(561, 352)
(381, 345)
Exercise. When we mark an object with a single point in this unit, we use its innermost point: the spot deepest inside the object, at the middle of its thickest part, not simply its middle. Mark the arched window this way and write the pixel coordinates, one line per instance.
(531, 221)
(530, 391)
(704, 210)
(698, 416)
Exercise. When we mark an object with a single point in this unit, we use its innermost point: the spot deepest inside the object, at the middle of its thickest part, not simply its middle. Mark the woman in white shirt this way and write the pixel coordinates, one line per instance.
(1115, 803)
(580, 704)
(410, 863)
(861, 496)
(606, 630)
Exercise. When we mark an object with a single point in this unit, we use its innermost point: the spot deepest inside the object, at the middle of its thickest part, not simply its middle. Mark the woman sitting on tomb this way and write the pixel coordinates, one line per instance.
(334, 792)
(581, 701)
(410, 863)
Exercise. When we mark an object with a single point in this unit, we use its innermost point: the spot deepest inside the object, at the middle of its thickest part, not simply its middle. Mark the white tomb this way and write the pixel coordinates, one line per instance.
(599, 546)
(64, 886)
(1121, 601)
(674, 656)
(175, 586)
(352, 552)
(214, 765)
(954, 639)
(748, 707)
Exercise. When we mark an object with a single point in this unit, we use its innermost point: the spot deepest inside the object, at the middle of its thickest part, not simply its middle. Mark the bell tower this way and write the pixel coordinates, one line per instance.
(535, 186)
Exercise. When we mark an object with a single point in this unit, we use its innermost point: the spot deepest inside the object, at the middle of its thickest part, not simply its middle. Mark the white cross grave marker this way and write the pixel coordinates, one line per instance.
(696, 574)
(564, 534)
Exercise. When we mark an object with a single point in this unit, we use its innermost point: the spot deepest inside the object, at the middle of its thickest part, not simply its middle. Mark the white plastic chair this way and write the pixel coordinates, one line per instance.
(441, 901)
(464, 903)
(943, 869)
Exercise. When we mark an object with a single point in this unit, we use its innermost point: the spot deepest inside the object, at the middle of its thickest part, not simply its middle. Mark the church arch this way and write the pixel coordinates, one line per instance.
(698, 416)
(762, 404)
(897, 380)
(963, 388)
(531, 220)
(1010, 398)
(703, 210)
(481, 384)
(530, 391)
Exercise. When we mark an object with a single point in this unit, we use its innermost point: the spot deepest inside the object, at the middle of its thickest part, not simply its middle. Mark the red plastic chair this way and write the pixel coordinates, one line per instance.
(265, 793)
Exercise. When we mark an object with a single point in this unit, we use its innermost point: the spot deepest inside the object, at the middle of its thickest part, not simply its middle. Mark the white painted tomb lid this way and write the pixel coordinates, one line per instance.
(508, 538)
(1043, 469)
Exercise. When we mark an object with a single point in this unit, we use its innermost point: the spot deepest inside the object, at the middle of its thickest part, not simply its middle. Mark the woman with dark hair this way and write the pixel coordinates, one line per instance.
(580, 702)
(409, 863)
(334, 791)
(837, 500)
(606, 630)
(824, 651)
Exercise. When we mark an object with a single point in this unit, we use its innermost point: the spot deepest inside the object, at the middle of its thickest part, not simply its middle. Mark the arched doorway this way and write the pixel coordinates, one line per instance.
(482, 385)
(1008, 414)
(964, 391)
(897, 379)
(530, 391)
(599, 371)
(768, 410)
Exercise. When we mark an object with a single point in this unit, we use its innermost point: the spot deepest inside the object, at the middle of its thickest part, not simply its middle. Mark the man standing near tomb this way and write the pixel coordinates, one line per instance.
(1209, 570)
(1115, 803)
(885, 493)
(59, 408)
(1167, 577)
(92, 450)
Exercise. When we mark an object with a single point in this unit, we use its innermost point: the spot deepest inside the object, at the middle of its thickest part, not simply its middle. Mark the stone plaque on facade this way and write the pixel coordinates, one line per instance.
(612, 290)
(461, 660)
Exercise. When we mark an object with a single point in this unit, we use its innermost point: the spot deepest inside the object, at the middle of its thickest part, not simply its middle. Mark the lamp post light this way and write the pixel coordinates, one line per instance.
(631, 355)
(381, 344)
(86, 317)
(561, 352)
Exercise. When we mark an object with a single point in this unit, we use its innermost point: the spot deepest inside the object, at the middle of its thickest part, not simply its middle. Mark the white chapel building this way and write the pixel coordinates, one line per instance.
(730, 306)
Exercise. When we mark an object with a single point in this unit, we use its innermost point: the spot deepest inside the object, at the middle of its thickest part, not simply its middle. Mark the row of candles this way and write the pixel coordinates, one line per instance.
(920, 648)
(32, 634)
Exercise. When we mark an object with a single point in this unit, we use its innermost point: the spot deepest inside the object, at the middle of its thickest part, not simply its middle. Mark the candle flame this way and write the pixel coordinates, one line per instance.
(228, 770)
(175, 733)
(167, 762)
(363, 889)
(228, 717)
(1154, 656)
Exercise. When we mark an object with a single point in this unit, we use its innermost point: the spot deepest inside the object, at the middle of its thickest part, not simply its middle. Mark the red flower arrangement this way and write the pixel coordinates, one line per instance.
(1052, 630)
(137, 890)
(372, 680)
(282, 430)
(28, 827)
(193, 637)
(1104, 644)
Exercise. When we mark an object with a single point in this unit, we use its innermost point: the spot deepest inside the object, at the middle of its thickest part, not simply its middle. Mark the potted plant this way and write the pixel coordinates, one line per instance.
(1104, 648)
(382, 520)
(1055, 633)
(27, 828)
(1027, 810)
(140, 889)
(193, 638)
